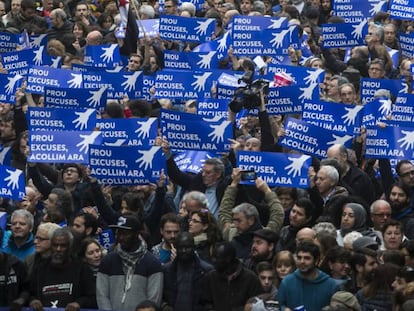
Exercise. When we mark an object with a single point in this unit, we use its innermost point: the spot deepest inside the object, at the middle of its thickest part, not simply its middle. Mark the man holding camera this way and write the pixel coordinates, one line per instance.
(241, 221)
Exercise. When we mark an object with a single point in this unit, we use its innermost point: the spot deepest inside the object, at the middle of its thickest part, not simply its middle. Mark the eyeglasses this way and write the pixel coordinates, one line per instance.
(40, 239)
(406, 174)
(70, 170)
(383, 215)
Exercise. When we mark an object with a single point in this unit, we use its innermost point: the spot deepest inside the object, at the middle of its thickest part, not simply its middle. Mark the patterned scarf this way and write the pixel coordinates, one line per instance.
(129, 261)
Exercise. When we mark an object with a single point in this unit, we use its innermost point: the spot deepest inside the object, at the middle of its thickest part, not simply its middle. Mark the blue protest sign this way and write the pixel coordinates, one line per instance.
(284, 100)
(107, 56)
(276, 169)
(376, 111)
(186, 131)
(192, 161)
(127, 165)
(391, 141)
(13, 184)
(40, 77)
(183, 84)
(213, 107)
(10, 83)
(310, 139)
(332, 116)
(190, 60)
(148, 28)
(220, 45)
(147, 83)
(344, 35)
(75, 98)
(402, 112)
(353, 11)
(401, 9)
(257, 24)
(37, 41)
(62, 146)
(370, 86)
(17, 62)
(406, 44)
(132, 131)
(106, 238)
(8, 42)
(3, 220)
(60, 119)
(118, 84)
(177, 28)
(227, 85)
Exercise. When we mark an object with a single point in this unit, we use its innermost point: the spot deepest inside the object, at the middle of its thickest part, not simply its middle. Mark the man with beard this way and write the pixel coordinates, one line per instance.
(399, 199)
(130, 274)
(170, 227)
(230, 285)
(183, 278)
(305, 286)
(263, 247)
(62, 281)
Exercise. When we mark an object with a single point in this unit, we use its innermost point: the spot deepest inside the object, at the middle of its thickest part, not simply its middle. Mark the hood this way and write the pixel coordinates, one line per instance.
(322, 276)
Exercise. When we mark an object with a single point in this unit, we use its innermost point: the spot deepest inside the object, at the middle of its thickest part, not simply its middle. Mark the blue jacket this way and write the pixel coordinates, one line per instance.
(9, 247)
(295, 291)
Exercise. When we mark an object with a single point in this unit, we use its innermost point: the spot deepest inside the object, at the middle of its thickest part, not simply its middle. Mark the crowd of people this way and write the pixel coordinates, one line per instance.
(205, 241)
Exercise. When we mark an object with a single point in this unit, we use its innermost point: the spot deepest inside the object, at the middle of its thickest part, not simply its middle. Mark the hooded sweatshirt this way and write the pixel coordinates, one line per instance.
(315, 294)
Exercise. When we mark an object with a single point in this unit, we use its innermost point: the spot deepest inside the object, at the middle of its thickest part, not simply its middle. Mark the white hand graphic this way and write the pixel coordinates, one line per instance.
(222, 43)
(307, 92)
(147, 157)
(349, 117)
(376, 7)
(385, 108)
(55, 62)
(404, 88)
(12, 83)
(108, 53)
(216, 118)
(117, 143)
(296, 166)
(276, 23)
(341, 140)
(408, 140)
(95, 99)
(37, 42)
(38, 59)
(130, 81)
(277, 40)
(13, 178)
(76, 82)
(217, 135)
(87, 140)
(201, 29)
(357, 32)
(205, 61)
(83, 118)
(118, 68)
(200, 83)
(144, 131)
(313, 76)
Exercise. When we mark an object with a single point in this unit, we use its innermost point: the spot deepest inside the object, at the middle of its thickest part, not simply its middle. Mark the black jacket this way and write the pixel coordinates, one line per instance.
(12, 270)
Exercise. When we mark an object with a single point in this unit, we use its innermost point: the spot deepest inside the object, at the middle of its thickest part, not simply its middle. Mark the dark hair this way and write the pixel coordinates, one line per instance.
(309, 247)
(292, 192)
(213, 232)
(28, 4)
(393, 256)
(264, 266)
(102, 19)
(84, 245)
(307, 205)
(16, 155)
(392, 223)
(140, 108)
(399, 164)
(359, 257)
(64, 202)
(90, 221)
(134, 202)
(114, 110)
(334, 255)
(147, 304)
(77, 166)
(169, 217)
(380, 279)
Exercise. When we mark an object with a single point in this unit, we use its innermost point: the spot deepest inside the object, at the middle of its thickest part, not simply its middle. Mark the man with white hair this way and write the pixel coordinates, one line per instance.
(60, 25)
(146, 12)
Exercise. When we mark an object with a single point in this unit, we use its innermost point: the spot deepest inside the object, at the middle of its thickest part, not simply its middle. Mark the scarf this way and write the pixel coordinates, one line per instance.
(129, 261)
